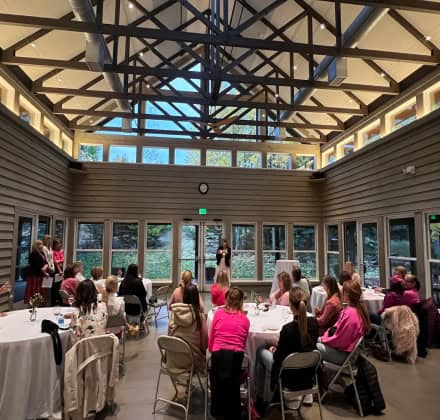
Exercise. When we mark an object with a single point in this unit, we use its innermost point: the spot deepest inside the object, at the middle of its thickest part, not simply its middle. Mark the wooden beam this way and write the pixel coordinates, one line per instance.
(412, 5)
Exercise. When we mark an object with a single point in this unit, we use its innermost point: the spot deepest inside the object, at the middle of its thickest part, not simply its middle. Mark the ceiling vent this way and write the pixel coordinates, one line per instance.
(94, 56)
(337, 71)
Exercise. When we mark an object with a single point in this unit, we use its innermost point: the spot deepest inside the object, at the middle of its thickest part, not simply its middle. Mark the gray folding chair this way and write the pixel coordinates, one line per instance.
(140, 318)
(295, 362)
(117, 325)
(159, 300)
(245, 386)
(349, 366)
(383, 334)
(180, 349)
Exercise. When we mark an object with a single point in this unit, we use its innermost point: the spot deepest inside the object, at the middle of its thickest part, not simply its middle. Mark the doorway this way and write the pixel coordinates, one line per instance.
(198, 243)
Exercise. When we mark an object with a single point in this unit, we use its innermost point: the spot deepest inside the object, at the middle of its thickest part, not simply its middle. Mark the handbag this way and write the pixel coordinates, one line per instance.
(51, 328)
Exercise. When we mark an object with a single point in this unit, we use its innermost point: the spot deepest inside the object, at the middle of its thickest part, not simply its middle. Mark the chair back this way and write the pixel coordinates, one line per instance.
(64, 295)
(115, 321)
(162, 293)
(177, 348)
(353, 356)
(133, 300)
(305, 360)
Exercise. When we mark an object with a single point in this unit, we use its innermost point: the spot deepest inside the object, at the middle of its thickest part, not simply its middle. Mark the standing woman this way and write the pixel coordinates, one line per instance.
(223, 259)
(58, 260)
(38, 268)
(48, 252)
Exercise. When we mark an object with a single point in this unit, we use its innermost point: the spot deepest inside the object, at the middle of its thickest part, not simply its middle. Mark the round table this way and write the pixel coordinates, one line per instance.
(29, 378)
(280, 266)
(372, 300)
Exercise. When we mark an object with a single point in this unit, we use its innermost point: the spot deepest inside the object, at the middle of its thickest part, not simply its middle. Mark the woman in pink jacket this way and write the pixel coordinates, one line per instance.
(353, 323)
(411, 294)
(281, 296)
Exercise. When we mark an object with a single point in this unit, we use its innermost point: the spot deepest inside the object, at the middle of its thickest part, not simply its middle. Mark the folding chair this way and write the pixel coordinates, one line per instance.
(183, 376)
(348, 365)
(295, 362)
(140, 317)
(158, 301)
(245, 386)
(116, 324)
(383, 334)
(64, 296)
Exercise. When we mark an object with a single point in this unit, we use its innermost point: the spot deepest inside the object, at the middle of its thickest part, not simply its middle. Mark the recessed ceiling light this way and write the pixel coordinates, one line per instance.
(92, 121)
(148, 86)
(33, 45)
(277, 95)
(322, 26)
(130, 5)
(428, 37)
(295, 67)
(350, 100)
(382, 74)
(141, 54)
(59, 79)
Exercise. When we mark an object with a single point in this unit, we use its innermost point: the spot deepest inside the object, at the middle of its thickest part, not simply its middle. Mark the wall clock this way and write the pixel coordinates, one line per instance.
(203, 188)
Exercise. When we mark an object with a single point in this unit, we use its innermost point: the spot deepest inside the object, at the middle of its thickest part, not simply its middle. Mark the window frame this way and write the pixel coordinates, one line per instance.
(130, 146)
(326, 154)
(259, 152)
(255, 224)
(75, 238)
(159, 222)
(429, 260)
(110, 247)
(315, 161)
(187, 148)
(286, 242)
(316, 251)
(91, 144)
(391, 117)
(154, 147)
(279, 153)
(230, 151)
(326, 250)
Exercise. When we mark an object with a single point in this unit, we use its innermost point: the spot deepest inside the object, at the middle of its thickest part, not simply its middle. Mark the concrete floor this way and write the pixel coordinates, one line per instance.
(411, 392)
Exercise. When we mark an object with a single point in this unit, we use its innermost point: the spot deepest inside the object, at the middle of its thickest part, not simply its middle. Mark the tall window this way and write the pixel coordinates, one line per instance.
(89, 245)
(304, 246)
(91, 152)
(274, 248)
(60, 228)
(332, 249)
(350, 243)
(244, 254)
(434, 256)
(158, 250)
(329, 157)
(124, 246)
(404, 117)
(402, 246)
(218, 158)
(248, 159)
(156, 155)
(279, 160)
(122, 154)
(43, 226)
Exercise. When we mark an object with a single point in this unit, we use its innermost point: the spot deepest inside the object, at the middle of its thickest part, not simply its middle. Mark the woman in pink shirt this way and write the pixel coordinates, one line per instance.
(58, 260)
(281, 296)
(329, 313)
(219, 289)
(227, 341)
(411, 293)
(353, 323)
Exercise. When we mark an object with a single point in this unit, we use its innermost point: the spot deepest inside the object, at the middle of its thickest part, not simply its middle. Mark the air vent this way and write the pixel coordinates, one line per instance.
(337, 71)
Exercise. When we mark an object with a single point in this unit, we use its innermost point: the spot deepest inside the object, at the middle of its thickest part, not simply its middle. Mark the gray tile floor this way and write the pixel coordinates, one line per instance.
(411, 392)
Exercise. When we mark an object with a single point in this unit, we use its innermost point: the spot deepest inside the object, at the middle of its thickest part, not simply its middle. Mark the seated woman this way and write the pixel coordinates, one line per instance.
(96, 273)
(411, 293)
(69, 283)
(90, 317)
(300, 335)
(353, 323)
(188, 322)
(115, 304)
(299, 281)
(329, 313)
(132, 285)
(343, 277)
(219, 289)
(177, 297)
(281, 296)
(349, 268)
(78, 269)
(227, 341)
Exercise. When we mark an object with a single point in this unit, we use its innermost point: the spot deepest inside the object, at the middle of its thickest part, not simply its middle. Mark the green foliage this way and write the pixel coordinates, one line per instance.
(89, 259)
(248, 159)
(158, 265)
(243, 265)
(269, 260)
(122, 259)
(91, 152)
(307, 262)
(305, 162)
(279, 161)
(218, 158)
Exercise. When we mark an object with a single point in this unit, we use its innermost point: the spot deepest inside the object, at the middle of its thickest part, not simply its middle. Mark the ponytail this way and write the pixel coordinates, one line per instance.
(302, 323)
(354, 292)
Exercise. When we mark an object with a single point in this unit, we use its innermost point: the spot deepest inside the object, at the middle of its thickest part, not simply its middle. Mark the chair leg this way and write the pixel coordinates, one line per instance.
(319, 397)
(157, 391)
(283, 414)
(249, 398)
(206, 395)
(155, 316)
(356, 392)
(188, 401)
(335, 378)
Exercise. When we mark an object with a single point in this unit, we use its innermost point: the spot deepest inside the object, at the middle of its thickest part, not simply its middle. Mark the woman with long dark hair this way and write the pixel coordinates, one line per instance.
(329, 313)
(91, 317)
(132, 285)
(299, 281)
(352, 324)
(188, 322)
(223, 257)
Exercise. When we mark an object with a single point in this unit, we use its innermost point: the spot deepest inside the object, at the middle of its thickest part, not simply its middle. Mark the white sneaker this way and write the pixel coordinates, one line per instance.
(293, 404)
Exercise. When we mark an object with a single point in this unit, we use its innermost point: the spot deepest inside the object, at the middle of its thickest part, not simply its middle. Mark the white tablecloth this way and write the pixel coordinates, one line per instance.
(29, 378)
(373, 300)
(282, 265)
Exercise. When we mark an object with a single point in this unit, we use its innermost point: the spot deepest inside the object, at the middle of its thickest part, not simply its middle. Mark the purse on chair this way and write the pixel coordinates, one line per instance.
(51, 328)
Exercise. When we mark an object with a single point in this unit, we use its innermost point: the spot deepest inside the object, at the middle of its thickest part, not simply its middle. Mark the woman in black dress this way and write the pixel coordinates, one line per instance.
(223, 260)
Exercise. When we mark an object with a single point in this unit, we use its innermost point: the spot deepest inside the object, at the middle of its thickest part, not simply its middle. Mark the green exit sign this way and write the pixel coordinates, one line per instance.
(434, 217)
(203, 212)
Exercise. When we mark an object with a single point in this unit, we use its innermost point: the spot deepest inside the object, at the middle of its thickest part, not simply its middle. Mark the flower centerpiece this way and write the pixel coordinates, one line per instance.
(35, 301)
(257, 299)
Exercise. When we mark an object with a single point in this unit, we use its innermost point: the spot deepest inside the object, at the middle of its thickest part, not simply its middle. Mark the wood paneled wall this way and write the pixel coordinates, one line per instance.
(34, 180)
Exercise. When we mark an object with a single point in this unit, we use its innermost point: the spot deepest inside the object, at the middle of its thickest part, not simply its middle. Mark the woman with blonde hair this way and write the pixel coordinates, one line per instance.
(219, 289)
(115, 304)
(186, 278)
(281, 296)
(349, 267)
(352, 324)
(299, 335)
(78, 268)
(97, 273)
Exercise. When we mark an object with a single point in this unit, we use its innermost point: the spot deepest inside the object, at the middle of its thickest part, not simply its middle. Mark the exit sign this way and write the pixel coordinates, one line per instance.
(434, 217)
(203, 212)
